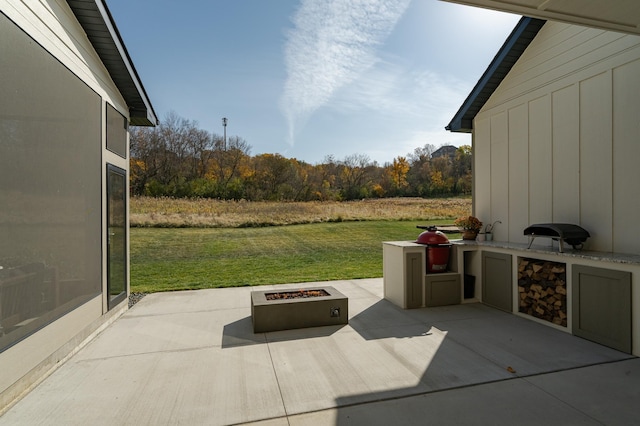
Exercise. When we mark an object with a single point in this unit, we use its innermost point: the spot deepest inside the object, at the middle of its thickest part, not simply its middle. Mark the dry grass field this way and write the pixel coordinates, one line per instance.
(207, 213)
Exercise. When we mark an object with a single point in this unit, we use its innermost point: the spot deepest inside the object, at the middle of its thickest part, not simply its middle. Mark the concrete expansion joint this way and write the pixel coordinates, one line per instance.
(275, 373)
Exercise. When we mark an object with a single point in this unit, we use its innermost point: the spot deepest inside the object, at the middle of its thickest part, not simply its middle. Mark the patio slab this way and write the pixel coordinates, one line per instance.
(167, 387)
(192, 358)
(608, 392)
(512, 402)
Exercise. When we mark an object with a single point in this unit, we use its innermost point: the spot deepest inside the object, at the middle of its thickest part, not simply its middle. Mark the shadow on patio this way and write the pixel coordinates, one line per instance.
(192, 357)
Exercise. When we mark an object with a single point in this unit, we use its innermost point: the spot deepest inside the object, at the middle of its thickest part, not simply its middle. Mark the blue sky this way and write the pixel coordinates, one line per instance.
(311, 78)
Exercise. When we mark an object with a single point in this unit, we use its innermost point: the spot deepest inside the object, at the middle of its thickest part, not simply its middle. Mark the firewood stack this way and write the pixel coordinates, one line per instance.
(542, 287)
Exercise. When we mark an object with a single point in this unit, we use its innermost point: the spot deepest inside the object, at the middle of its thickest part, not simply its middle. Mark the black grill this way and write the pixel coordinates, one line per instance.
(573, 235)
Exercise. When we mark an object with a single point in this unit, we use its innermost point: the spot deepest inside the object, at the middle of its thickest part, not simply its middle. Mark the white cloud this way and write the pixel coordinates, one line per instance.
(394, 91)
(332, 43)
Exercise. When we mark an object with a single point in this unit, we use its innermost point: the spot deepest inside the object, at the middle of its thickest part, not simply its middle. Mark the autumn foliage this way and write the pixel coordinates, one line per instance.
(178, 159)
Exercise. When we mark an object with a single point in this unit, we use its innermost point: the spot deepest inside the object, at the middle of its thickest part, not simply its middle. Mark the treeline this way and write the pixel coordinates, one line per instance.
(178, 159)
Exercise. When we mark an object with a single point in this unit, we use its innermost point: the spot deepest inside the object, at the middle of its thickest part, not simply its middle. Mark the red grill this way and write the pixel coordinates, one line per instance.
(438, 248)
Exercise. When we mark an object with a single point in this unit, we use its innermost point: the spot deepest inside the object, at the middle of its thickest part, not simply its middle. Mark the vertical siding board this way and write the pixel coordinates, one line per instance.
(482, 168)
(518, 218)
(565, 53)
(540, 161)
(499, 168)
(549, 55)
(626, 166)
(596, 173)
(566, 155)
(582, 91)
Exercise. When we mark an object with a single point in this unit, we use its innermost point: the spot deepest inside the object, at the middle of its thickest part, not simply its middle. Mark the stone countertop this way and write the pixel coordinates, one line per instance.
(600, 256)
(403, 244)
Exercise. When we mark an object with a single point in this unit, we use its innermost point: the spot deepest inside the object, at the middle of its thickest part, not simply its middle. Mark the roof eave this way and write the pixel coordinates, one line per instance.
(101, 30)
(517, 42)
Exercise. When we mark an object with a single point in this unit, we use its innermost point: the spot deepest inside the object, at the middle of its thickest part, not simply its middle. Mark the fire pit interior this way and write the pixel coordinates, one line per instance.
(296, 294)
(312, 307)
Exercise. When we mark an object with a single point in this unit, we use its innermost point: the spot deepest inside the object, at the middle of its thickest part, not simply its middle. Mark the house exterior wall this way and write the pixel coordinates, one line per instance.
(557, 141)
(53, 26)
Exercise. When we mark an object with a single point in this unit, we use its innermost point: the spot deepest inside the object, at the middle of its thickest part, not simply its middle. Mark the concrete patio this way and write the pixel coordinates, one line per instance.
(192, 358)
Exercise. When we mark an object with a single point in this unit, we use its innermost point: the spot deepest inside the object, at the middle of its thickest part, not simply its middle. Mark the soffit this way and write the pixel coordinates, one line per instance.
(614, 15)
(517, 42)
(101, 30)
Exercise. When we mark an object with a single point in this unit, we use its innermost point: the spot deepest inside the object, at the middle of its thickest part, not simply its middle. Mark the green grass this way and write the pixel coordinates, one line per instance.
(180, 259)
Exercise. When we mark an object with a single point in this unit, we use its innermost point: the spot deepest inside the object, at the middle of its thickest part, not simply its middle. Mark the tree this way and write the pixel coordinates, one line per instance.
(325, 179)
(146, 153)
(353, 176)
(421, 154)
(179, 159)
(271, 173)
(166, 158)
(226, 165)
(301, 182)
(419, 174)
(463, 169)
(397, 172)
(441, 176)
(200, 144)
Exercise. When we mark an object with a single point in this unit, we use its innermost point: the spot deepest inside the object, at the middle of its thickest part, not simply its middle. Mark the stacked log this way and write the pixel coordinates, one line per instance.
(542, 288)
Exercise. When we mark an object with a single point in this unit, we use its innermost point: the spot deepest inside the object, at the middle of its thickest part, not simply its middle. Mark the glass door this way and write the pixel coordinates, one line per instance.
(116, 235)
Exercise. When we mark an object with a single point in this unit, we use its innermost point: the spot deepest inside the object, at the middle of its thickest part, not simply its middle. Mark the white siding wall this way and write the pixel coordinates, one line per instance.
(540, 161)
(482, 167)
(626, 167)
(559, 140)
(499, 156)
(518, 175)
(566, 154)
(595, 160)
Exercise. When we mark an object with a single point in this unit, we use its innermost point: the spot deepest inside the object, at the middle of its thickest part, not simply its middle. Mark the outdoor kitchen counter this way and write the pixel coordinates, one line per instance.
(599, 256)
(598, 288)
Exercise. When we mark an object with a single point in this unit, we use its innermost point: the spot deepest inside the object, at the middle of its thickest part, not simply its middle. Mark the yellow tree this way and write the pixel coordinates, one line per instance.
(398, 173)
(272, 175)
(438, 184)
(137, 173)
(228, 165)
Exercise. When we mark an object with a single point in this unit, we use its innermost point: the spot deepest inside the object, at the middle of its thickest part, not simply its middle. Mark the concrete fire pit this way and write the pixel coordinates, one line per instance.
(290, 309)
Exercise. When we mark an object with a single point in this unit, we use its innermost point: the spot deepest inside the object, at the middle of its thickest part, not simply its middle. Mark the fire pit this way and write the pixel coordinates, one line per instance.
(285, 310)
(296, 294)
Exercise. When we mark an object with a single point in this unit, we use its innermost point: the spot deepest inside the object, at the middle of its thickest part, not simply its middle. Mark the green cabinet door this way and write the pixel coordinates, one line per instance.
(602, 306)
(497, 286)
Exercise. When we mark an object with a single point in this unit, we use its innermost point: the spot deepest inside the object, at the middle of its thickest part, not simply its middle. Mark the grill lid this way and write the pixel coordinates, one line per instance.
(566, 231)
(572, 234)
(432, 237)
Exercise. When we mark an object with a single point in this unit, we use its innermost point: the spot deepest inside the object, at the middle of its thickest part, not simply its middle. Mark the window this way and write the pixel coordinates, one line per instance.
(116, 132)
(50, 188)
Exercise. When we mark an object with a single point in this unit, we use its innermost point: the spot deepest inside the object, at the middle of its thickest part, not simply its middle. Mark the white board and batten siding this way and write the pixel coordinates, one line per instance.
(559, 140)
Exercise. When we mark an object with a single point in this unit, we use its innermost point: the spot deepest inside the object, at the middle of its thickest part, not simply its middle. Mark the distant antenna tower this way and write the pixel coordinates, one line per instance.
(224, 125)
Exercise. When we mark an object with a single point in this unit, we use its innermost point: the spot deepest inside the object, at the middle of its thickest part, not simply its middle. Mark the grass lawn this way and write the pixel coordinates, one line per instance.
(195, 258)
